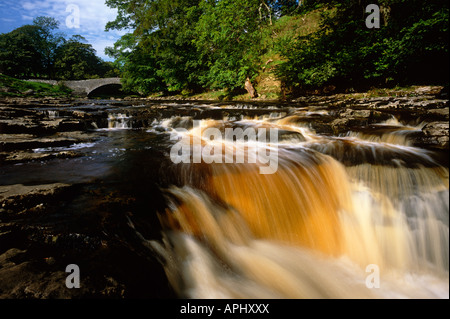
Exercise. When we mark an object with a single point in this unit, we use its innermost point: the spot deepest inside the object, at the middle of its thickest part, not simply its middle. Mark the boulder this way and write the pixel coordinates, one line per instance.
(437, 134)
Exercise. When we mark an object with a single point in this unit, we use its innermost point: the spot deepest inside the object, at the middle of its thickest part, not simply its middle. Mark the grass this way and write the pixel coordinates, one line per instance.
(12, 87)
(284, 30)
(210, 95)
(398, 91)
(269, 90)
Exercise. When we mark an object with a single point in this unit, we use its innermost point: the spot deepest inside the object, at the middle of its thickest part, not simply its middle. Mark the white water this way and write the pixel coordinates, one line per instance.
(119, 121)
(73, 147)
(312, 229)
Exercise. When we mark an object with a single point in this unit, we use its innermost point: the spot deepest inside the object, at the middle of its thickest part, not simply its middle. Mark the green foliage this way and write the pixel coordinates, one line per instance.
(140, 74)
(159, 55)
(229, 41)
(39, 51)
(47, 42)
(17, 88)
(76, 60)
(411, 47)
(19, 53)
(424, 51)
(188, 44)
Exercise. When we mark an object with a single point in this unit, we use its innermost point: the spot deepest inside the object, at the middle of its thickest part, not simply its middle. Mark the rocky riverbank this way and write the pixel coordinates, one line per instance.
(30, 123)
(35, 242)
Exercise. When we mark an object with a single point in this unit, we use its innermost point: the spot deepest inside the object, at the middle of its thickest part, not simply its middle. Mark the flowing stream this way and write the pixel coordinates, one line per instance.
(356, 215)
(311, 229)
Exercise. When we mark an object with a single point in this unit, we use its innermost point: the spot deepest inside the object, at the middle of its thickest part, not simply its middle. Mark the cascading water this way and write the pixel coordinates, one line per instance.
(119, 121)
(335, 206)
(297, 200)
(53, 114)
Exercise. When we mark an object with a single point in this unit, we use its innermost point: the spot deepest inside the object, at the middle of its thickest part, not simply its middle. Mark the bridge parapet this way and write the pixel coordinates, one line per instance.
(83, 87)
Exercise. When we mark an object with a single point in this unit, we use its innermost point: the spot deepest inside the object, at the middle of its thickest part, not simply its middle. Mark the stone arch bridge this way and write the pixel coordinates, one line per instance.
(84, 87)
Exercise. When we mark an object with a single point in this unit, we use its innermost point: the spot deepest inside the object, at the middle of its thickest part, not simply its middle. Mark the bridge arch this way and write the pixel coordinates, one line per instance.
(106, 89)
(86, 87)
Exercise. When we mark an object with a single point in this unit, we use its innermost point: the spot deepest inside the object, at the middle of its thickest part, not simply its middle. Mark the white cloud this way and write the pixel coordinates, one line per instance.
(30, 6)
(100, 44)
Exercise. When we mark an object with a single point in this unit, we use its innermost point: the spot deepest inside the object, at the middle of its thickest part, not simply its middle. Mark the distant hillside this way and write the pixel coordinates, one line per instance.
(284, 30)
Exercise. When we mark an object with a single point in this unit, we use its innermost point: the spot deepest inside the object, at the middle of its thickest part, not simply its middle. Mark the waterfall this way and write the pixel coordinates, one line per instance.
(119, 121)
(334, 207)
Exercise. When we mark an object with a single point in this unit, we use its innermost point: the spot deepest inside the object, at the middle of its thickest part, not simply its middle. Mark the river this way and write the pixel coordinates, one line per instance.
(287, 206)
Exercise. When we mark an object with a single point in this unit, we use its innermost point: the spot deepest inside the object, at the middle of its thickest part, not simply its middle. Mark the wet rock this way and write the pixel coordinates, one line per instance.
(79, 114)
(441, 114)
(340, 125)
(70, 241)
(78, 136)
(436, 134)
(113, 288)
(19, 126)
(51, 125)
(24, 156)
(5, 89)
(20, 199)
(21, 279)
(428, 90)
(350, 113)
(432, 104)
(50, 260)
(24, 281)
(10, 142)
(8, 112)
(20, 157)
(7, 257)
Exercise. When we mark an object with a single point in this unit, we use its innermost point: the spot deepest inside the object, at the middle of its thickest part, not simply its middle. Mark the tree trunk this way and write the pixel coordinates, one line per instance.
(250, 89)
(270, 13)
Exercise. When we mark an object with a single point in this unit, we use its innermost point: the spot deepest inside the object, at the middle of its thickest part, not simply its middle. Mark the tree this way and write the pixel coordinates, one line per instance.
(30, 49)
(163, 31)
(189, 44)
(418, 47)
(48, 42)
(286, 7)
(76, 60)
(38, 51)
(411, 47)
(19, 53)
(228, 39)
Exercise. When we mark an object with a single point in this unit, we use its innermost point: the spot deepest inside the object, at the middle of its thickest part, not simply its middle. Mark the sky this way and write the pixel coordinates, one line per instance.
(84, 17)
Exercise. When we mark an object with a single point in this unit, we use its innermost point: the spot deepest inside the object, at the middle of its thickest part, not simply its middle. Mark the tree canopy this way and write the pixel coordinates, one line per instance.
(193, 45)
(40, 51)
(196, 45)
(188, 45)
(410, 47)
